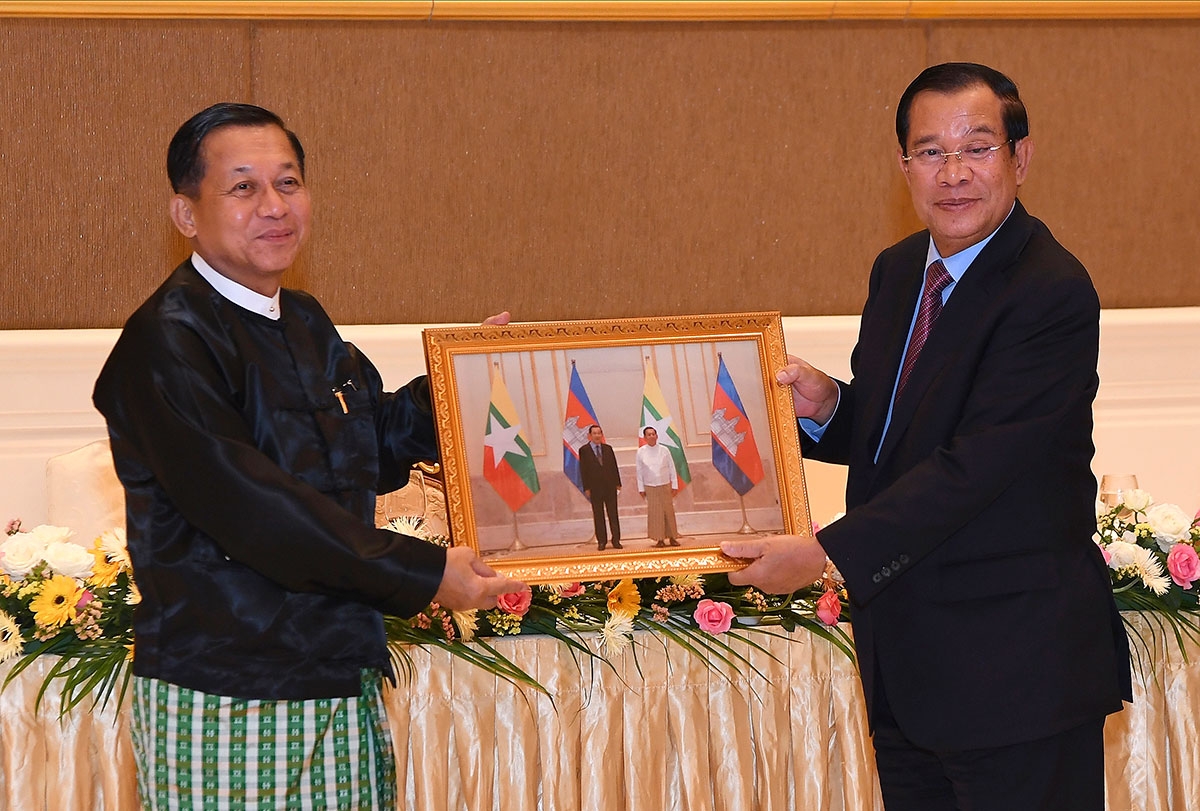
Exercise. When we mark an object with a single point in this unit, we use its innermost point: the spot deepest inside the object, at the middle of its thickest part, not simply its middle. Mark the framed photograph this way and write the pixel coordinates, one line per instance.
(594, 450)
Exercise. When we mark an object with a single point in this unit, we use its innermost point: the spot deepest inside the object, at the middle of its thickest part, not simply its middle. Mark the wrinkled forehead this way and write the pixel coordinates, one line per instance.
(957, 116)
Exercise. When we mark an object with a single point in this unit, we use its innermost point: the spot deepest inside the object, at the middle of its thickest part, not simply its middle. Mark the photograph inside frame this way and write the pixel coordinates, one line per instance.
(588, 450)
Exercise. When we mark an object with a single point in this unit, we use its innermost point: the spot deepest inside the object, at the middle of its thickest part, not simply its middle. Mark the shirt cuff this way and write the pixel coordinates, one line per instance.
(814, 430)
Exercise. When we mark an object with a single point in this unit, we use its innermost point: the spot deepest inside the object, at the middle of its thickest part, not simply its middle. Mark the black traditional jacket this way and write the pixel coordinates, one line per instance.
(250, 494)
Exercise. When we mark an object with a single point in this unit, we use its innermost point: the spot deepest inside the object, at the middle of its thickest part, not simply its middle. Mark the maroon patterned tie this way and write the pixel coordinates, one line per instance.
(936, 280)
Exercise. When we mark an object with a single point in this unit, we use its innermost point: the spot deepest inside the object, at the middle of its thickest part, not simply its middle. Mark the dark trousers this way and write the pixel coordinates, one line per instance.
(1064, 772)
(602, 501)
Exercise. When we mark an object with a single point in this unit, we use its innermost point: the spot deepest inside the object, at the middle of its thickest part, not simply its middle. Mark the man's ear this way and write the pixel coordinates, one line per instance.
(183, 215)
(1023, 150)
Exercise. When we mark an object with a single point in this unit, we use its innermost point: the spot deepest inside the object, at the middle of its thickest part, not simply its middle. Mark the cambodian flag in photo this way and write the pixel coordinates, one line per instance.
(734, 451)
(579, 417)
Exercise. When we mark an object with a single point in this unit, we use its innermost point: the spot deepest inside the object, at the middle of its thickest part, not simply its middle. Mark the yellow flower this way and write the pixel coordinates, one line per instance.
(55, 605)
(11, 643)
(466, 623)
(105, 571)
(687, 580)
(624, 599)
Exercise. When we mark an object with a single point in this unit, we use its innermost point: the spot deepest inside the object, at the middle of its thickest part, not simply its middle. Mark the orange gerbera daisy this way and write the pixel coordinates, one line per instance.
(624, 599)
(105, 571)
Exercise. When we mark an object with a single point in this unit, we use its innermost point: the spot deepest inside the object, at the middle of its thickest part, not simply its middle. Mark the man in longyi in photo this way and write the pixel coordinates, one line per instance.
(658, 483)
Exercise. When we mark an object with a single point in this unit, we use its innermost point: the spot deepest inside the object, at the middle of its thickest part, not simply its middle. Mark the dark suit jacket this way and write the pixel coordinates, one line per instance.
(599, 477)
(978, 596)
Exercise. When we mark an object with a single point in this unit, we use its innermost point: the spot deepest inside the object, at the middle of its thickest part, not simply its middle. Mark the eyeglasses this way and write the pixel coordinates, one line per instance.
(930, 160)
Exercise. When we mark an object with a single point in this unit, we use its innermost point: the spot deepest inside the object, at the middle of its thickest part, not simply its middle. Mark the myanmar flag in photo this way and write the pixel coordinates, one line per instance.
(655, 415)
(507, 460)
(734, 451)
(578, 417)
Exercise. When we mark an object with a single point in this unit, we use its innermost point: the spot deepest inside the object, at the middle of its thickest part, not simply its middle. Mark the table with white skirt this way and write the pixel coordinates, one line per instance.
(659, 730)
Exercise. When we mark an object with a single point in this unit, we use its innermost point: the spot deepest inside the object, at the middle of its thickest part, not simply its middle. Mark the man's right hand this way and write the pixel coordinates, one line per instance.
(468, 582)
(814, 393)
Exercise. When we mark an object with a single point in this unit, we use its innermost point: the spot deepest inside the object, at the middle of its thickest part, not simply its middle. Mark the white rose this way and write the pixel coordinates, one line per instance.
(20, 553)
(48, 534)
(1122, 554)
(1170, 524)
(1137, 500)
(70, 559)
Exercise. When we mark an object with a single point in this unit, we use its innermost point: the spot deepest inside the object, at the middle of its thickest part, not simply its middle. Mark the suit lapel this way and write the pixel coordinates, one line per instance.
(887, 329)
(962, 315)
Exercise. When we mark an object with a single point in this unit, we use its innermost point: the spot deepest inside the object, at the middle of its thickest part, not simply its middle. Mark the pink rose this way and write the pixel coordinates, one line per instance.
(713, 617)
(572, 590)
(829, 608)
(1184, 565)
(516, 603)
(84, 598)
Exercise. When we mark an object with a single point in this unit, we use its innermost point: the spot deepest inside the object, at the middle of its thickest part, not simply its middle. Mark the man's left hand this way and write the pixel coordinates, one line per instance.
(781, 564)
(498, 320)
(468, 582)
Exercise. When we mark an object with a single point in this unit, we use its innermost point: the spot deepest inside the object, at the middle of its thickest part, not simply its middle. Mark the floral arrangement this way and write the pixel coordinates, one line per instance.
(58, 597)
(1151, 553)
(598, 619)
(61, 598)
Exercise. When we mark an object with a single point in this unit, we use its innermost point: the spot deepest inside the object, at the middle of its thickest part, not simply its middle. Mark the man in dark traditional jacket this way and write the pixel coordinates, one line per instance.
(252, 442)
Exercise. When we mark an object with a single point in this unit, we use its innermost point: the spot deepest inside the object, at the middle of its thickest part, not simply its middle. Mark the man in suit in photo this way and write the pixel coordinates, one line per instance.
(989, 646)
(601, 484)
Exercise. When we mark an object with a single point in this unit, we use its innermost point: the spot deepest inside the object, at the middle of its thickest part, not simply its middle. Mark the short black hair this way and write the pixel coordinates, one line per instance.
(649, 428)
(592, 427)
(185, 161)
(950, 77)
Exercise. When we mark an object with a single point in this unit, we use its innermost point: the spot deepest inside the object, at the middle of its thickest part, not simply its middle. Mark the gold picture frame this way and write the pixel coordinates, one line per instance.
(510, 400)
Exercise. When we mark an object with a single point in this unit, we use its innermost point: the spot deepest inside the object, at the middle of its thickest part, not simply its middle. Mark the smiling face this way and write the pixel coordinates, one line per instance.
(651, 436)
(961, 202)
(251, 211)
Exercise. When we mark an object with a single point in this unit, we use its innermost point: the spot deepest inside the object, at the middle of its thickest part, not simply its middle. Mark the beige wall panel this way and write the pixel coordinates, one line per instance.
(87, 110)
(580, 169)
(592, 170)
(1114, 110)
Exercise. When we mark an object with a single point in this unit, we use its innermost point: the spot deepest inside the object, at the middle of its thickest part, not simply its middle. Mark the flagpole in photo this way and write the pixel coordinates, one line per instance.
(507, 460)
(516, 545)
(734, 451)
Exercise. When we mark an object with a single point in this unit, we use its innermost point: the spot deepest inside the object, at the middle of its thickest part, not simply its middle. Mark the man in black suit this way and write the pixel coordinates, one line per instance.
(601, 484)
(988, 642)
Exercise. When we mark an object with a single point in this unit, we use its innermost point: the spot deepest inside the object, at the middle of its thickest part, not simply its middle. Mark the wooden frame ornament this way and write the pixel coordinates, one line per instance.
(513, 405)
(820, 10)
